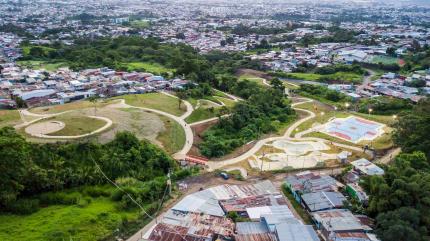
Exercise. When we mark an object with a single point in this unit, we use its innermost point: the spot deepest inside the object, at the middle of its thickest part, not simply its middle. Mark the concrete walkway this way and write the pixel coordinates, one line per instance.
(105, 127)
(189, 136)
(213, 165)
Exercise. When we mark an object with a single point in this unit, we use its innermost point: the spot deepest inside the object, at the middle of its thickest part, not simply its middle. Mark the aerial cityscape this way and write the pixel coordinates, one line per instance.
(215, 120)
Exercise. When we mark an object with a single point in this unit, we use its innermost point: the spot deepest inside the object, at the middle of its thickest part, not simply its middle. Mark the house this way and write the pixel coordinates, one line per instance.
(307, 182)
(365, 167)
(295, 232)
(318, 201)
(337, 224)
(357, 192)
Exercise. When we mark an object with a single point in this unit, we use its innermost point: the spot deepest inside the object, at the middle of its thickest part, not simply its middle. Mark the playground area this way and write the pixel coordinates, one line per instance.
(353, 129)
(282, 154)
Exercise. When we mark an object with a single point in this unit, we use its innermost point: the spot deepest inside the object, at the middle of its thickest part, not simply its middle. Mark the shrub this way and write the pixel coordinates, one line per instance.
(24, 206)
(95, 191)
(59, 198)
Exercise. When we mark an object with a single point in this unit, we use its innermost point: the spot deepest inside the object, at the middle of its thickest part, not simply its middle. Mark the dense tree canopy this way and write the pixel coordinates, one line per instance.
(413, 129)
(249, 119)
(400, 199)
(27, 169)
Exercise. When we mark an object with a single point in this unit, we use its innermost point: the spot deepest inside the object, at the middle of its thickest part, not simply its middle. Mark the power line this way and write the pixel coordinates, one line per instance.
(140, 206)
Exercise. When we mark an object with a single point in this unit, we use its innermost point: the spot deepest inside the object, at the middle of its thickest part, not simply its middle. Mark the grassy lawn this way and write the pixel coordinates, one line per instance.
(154, 68)
(305, 76)
(34, 64)
(173, 137)
(156, 101)
(385, 60)
(220, 94)
(76, 124)
(202, 114)
(9, 118)
(95, 221)
(290, 86)
(339, 77)
(252, 78)
(77, 105)
(140, 24)
(227, 101)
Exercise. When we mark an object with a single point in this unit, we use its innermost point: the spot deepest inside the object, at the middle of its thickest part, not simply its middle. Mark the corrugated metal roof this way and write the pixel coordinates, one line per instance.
(295, 232)
(317, 201)
(251, 228)
(255, 237)
(339, 220)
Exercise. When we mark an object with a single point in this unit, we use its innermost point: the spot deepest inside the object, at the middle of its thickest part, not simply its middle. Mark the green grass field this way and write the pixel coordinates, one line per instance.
(156, 101)
(77, 105)
(9, 118)
(173, 138)
(337, 77)
(202, 114)
(227, 101)
(34, 64)
(385, 60)
(154, 68)
(252, 78)
(76, 124)
(95, 221)
(140, 24)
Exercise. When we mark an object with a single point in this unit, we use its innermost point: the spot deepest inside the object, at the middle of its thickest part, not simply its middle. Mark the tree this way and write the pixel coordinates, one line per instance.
(14, 164)
(230, 40)
(93, 99)
(413, 130)
(181, 96)
(391, 51)
(277, 85)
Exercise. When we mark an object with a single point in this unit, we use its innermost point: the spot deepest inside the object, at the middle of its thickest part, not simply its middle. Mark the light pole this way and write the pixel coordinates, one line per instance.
(370, 111)
(347, 106)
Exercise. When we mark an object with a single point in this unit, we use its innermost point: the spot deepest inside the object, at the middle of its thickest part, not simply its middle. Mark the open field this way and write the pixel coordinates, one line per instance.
(158, 129)
(76, 124)
(140, 24)
(202, 114)
(385, 60)
(337, 77)
(34, 64)
(77, 105)
(173, 137)
(94, 221)
(227, 101)
(252, 78)
(156, 101)
(147, 67)
(9, 118)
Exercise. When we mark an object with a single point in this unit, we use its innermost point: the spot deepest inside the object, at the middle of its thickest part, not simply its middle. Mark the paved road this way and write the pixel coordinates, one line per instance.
(389, 156)
(366, 80)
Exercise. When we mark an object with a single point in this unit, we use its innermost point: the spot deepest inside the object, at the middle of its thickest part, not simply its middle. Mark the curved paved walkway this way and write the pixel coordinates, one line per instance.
(189, 136)
(105, 127)
(287, 136)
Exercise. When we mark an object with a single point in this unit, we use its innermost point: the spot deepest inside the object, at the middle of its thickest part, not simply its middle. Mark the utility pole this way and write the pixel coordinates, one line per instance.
(169, 181)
